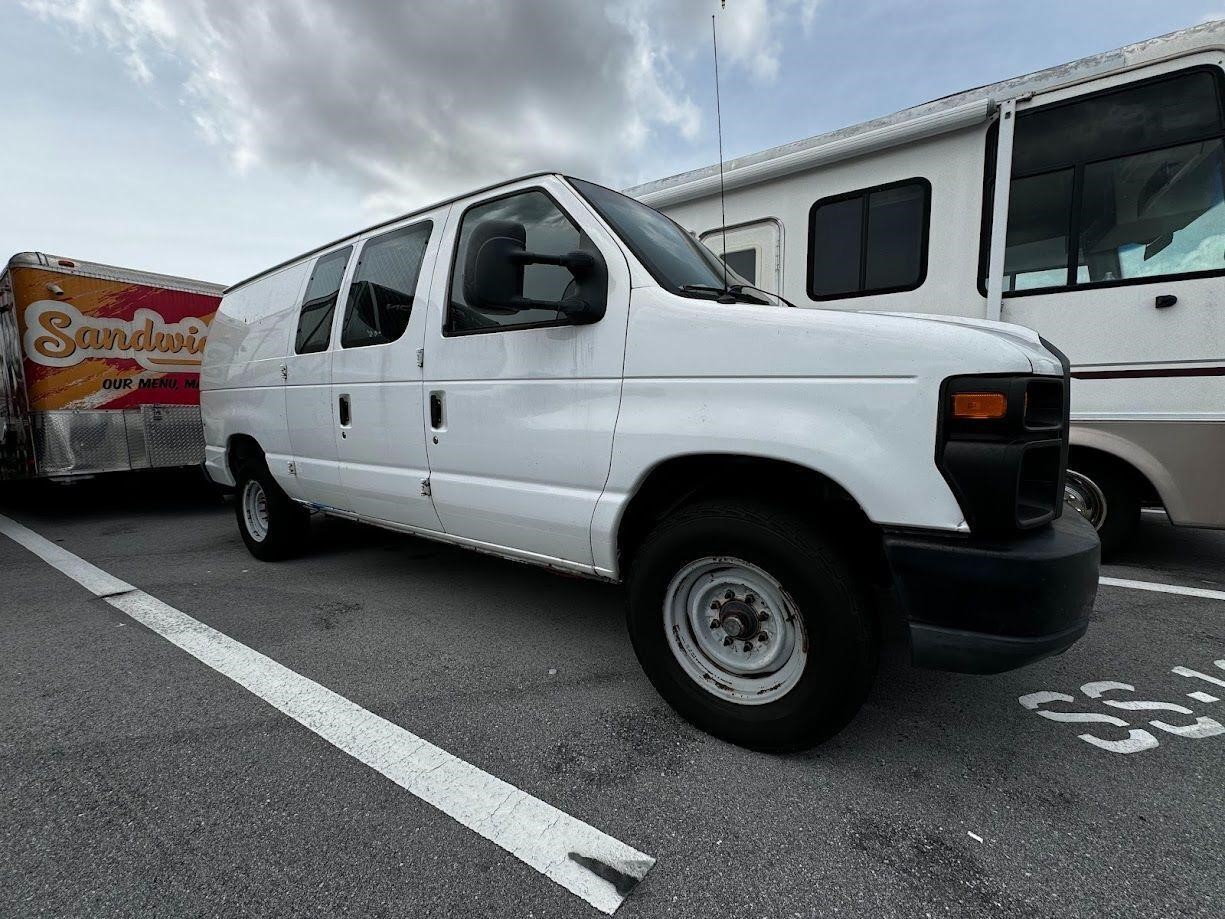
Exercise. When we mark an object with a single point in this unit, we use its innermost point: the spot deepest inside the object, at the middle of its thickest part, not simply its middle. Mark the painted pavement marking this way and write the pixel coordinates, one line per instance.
(591, 864)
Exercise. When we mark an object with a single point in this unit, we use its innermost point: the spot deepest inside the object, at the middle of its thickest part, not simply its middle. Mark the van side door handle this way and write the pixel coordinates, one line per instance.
(1165, 301)
(436, 416)
(344, 410)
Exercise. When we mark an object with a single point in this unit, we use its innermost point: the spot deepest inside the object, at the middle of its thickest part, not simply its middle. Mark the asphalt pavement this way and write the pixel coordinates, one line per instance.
(137, 781)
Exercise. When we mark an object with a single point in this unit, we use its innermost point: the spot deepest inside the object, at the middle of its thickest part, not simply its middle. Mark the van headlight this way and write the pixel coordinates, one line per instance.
(1002, 445)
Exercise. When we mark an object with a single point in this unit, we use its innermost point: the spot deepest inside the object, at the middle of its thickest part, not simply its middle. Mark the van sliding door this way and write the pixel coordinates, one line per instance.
(308, 385)
(376, 377)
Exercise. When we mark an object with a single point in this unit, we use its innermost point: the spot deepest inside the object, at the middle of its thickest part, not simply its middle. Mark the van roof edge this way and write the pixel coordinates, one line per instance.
(384, 223)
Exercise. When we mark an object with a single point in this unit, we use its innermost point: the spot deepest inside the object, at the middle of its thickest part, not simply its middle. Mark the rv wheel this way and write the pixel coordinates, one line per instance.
(1106, 496)
(751, 624)
(271, 524)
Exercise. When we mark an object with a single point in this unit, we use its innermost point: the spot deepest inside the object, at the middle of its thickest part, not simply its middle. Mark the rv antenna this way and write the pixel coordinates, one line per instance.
(714, 40)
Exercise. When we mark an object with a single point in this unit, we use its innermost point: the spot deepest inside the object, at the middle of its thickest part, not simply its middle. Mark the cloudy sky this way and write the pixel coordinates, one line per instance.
(212, 138)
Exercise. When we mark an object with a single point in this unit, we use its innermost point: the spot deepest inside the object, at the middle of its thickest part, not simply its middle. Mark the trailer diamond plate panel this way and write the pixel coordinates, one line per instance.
(80, 443)
(174, 435)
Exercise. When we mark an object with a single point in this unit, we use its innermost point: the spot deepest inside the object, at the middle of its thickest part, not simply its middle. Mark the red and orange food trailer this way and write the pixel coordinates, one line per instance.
(99, 367)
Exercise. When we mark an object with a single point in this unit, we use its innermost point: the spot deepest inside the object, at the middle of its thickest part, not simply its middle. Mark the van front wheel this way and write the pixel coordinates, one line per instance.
(751, 625)
(272, 525)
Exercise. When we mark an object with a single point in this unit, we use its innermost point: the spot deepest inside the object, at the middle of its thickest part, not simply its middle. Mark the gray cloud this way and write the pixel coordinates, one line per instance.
(412, 101)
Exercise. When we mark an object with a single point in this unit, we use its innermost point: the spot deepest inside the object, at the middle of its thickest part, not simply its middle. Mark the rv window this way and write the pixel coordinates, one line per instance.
(1160, 113)
(550, 232)
(753, 252)
(1037, 249)
(315, 319)
(870, 241)
(743, 262)
(1119, 186)
(835, 244)
(897, 227)
(383, 286)
(1153, 214)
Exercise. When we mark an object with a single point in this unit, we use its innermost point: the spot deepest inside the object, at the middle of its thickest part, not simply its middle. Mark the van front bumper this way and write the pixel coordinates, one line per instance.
(990, 605)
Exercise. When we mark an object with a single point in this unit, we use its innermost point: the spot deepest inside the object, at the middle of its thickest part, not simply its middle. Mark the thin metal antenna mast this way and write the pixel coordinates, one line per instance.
(714, 39)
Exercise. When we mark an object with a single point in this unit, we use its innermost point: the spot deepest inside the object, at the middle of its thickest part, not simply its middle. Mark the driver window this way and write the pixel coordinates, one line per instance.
(549, 232)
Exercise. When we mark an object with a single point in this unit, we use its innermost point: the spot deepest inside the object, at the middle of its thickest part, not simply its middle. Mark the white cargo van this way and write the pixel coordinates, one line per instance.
(553, 372)
(1108, 238)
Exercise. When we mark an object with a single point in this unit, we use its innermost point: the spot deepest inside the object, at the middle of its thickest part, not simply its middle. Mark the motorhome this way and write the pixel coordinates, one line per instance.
(555, 373)
(1106, 235)
(99, 368)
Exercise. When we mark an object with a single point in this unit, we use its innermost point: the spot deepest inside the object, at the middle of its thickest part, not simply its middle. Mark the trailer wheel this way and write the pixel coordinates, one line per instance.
(271, 524)
(752, 625)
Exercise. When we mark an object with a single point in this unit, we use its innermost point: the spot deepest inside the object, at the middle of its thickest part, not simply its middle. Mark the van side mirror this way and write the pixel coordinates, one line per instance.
(493, 280)
(493, 274)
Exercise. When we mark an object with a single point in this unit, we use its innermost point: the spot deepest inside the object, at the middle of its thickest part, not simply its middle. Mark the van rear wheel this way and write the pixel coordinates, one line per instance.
(272, 525)
(752, 625)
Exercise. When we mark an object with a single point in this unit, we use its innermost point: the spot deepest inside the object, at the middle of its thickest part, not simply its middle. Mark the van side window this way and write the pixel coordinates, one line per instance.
(871, 241)
(1121, 185)
(549, 232)
(383, 287)
(315, 318)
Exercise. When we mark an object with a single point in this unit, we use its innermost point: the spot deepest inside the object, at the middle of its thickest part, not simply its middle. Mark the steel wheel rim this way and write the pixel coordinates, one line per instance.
(700, 617)
(1084, 496)
(255, 510)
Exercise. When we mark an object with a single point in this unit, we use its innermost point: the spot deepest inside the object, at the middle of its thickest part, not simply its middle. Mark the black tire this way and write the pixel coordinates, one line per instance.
(1121, 492)
(821, 583)
(287, 522)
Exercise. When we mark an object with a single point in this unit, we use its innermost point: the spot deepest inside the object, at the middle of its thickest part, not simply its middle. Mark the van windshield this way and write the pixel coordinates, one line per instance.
(674, 257)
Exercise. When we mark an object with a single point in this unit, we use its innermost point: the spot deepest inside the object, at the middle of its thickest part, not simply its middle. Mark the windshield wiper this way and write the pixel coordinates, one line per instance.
(736, 288)
(734, 293)
(724, 294)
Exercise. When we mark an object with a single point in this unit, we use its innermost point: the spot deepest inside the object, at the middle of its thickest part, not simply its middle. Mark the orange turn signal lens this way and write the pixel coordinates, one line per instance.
(979, 406)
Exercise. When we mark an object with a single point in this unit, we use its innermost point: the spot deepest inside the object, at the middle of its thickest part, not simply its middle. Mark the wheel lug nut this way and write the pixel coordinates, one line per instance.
(727, 641)
(729, 596)
(714, 623)
(762, 636)
(714, 605)
(750, 599)
(748, 646)
(763, 616)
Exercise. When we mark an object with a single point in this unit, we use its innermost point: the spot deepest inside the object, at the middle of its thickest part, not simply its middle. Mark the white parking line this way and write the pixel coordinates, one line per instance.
(600, 869)
(1164, 588)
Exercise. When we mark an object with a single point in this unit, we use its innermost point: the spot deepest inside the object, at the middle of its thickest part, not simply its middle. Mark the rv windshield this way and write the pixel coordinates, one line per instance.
(675, 259)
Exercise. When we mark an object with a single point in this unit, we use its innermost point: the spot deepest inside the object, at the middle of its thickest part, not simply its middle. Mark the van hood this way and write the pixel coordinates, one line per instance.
(1039, 354)
(679, 336)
